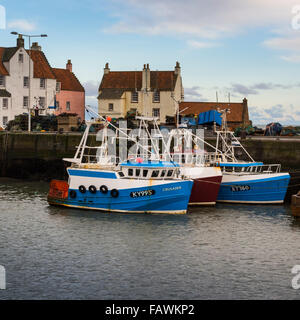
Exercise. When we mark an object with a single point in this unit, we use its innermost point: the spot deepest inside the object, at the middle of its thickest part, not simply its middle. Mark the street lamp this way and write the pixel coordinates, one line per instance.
(29, 98)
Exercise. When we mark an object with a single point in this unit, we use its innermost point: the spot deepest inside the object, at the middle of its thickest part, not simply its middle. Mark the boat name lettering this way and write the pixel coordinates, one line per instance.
(172, 189)
(240, 188)
(143, 193)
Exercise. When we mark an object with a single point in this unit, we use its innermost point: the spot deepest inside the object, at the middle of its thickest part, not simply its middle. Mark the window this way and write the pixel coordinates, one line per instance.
(121, 174)
(42, 102)
(156, 113)
(2, 81)
(163, 173)
(155, 173)
(58, 86)
(68, 106)
(110, 107)
(130, 172)
(170, 173)
(156, 96)
(42, 83)
(137, 172)
(145, 173)
(25, 102)
(5, 120)
(134, 97)
(21, 57)
(57, 105)
(5, 103)
(26, 82)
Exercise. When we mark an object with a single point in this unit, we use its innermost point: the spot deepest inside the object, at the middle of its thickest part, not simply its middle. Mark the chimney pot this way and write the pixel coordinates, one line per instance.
(35, 46)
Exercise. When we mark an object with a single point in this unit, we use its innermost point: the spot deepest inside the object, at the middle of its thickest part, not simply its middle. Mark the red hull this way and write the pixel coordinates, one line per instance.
(205, 191)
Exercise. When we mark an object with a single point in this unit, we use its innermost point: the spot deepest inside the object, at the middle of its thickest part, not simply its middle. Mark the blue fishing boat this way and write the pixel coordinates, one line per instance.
(245, 180)
(131, 187)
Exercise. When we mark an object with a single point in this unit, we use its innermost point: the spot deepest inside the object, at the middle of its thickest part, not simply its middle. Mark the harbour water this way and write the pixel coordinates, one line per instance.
(226, 252)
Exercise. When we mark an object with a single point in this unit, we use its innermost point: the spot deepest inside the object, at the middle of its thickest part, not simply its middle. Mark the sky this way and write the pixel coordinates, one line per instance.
(248, 48)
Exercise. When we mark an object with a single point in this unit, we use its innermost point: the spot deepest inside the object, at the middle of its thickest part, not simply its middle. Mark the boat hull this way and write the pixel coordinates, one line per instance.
(254, 189)
(207, 181)
(134, 196)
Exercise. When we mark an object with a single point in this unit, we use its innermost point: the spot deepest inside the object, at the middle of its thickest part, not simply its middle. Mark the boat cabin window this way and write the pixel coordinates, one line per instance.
(121, 174)
(170, 173)
(155, 173)
(145, 173)
(130, 172)
(163, 173)
(137, 172)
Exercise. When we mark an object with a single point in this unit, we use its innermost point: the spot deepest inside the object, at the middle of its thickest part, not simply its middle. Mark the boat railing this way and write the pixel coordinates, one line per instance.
(252, 169)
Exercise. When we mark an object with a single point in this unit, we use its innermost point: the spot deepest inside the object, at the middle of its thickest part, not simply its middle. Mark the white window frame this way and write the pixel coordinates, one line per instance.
(5, 103)
(58, 86)
(154, 110)
(42, 102)
(110, 107)
(134, 97)
(25, 102)
(5, 122)
(21, 57)
(24, 84)
(42, 83)
(68, 106)
(156, 96)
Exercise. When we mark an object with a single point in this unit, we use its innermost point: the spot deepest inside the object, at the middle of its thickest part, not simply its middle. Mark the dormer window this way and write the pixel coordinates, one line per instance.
(58, 86)
(156, 96)
(134, 97)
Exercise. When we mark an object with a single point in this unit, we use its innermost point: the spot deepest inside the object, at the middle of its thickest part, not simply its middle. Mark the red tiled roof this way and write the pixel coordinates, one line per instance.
(235, 115)
(3, 70)
(68, 80)
(42, 68)
(131, 80)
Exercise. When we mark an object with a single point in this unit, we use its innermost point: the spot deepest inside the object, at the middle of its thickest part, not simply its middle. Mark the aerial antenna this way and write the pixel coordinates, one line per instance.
(217, 98)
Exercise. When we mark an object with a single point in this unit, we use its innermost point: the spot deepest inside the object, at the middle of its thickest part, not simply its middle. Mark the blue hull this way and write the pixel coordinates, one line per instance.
(167, 198)
(264, 191)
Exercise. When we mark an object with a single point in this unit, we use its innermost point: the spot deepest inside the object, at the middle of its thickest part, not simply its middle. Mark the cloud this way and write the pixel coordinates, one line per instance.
(91, 88)
(193, 94)
(286, 115)
(201, 44)
(205, 19)
(21, 25)
(255, 88)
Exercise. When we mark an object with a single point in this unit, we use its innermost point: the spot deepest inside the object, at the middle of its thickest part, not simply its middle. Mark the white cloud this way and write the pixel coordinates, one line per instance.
(206, 19)
(21, 25)
(201, 44)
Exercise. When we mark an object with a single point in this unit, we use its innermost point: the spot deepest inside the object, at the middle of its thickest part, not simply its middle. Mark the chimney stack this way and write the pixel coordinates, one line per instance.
(106, 69)
(177, 68)
(146, 78)
(69, 66)
(20, 41)
(35, 46)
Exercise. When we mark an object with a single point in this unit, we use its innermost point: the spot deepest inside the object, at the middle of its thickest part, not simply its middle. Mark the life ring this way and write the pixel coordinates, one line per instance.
(114, 193)
(82, 189)
(103, 189)
(92, 189)
(73, 194)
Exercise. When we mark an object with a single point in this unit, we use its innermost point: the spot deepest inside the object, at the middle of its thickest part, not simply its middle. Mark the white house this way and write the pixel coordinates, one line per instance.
(26, 79)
